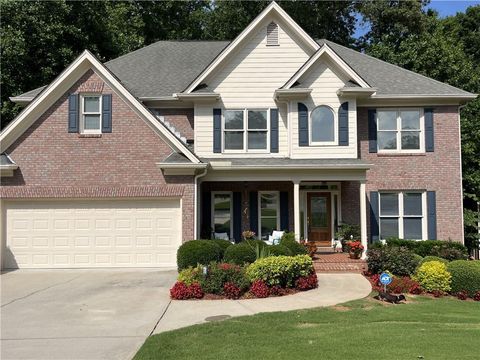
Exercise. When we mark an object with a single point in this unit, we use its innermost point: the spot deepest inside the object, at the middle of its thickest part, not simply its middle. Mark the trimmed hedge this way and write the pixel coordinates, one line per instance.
(465, 276)
(295, 247)
(449, 250)
(279, 250)
(240, 254)
(399, 261)
(222, 244)
(433, 258)
(196, 252)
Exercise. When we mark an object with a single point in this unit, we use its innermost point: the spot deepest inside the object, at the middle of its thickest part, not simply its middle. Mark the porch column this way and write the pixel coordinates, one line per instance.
(296, 209)
(363, 217)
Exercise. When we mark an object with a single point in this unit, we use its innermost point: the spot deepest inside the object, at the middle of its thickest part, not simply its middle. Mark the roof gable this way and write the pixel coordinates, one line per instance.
(62, 83)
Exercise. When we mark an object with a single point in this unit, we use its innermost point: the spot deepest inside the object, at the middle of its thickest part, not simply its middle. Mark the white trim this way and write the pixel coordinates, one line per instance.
(335, 128)
(82, 113)
(325, 49)
(212, 211)
(426, 96)
(398, 131)
(83, 63)
(273, 7)
(259, 211)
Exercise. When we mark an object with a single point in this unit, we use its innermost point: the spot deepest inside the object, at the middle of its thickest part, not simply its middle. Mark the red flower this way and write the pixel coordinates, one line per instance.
(462, 295)
(180, 291)
(355, 246)
(260, 289)
(307, 282)
(231, 291)
(476, 297)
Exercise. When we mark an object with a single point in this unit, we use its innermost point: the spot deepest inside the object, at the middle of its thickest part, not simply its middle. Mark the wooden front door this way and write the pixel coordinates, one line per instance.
(319, 219)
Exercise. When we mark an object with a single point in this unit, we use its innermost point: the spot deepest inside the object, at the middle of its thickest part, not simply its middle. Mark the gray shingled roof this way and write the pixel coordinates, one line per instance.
(290, 163)
(390, 79)
(164, 67)
(168, 67)
(176, 158)
(4, 160)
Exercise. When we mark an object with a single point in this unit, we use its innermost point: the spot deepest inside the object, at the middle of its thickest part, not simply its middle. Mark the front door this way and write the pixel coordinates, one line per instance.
(319, 223)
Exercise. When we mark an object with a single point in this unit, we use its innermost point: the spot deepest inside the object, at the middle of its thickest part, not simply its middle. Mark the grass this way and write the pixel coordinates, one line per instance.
(424, 328)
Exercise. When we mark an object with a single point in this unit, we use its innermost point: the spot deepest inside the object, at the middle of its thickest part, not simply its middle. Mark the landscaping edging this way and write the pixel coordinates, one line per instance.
(332, 289)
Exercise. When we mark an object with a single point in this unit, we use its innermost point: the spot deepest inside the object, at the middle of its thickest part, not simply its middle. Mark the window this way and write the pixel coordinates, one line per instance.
(221, 214)
(322, 125)
(402, 214)
(91, 115)
(269, 214)
(272, 34)
(246, 130)
(399, 130)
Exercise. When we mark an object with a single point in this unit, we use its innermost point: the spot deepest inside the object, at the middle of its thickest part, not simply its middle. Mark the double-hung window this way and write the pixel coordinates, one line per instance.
(222, 214)
(400, 130)
(269, 213)
(91, 114)
(403, 215)
(245, 130)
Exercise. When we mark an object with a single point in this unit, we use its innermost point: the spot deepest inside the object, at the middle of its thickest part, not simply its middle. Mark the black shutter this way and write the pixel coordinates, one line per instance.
(284, 221)
(73, 104)
(302, 125)
(432, 215)
(206, 227)
(217, 130)
(343, 124)
(429, 137)
(107, 113)
(237, 216)
(274, 130)
(253, 208)
(374, 228)
(372, 130)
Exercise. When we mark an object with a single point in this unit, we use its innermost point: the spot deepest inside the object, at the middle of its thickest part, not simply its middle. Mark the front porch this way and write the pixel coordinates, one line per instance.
(313, 210)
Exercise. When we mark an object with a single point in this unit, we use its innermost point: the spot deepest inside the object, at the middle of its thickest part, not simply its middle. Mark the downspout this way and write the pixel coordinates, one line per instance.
(460, 107)
(195, 202)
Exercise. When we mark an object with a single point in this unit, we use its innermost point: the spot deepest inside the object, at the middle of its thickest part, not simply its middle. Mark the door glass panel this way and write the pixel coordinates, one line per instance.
(221, 213)
(318, 213)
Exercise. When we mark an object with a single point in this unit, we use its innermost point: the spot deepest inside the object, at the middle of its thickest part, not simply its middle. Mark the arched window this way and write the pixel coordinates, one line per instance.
(322, 125)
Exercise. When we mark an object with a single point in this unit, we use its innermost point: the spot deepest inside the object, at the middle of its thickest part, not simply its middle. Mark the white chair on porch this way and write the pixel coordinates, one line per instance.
(274, 239)
(221, 236)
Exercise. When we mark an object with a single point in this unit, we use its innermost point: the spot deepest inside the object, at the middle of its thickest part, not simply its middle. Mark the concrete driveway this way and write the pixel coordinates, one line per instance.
(80, 314)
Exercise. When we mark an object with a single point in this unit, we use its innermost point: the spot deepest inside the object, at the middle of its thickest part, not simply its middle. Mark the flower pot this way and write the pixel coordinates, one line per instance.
(355, 255)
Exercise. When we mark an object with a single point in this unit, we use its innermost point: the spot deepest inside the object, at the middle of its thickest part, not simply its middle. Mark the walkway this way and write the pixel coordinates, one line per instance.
(332, 289)
(330, 262)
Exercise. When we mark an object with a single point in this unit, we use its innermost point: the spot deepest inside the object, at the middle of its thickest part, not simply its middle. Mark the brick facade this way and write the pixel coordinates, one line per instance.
(437, 171)
(55, 163)
(181, 119)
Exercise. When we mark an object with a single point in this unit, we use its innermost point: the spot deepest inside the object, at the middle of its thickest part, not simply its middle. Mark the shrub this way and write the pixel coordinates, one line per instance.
(433, 276)
(231, 291)
(180, 291)
(279, 250)
(259, 289)
(190, 275)
(418, 259)
(433, 258)
(220, 274)
(449, 253)
(240, 254)
(404, 285)
(307, 282)
(449, 250)
(196, 252)
(222, 244)
(280, 270)
(277, 291)
(288, 240)
(476, 297)
(399, 261)
(462, 295)
(396, 242)
(465, 276)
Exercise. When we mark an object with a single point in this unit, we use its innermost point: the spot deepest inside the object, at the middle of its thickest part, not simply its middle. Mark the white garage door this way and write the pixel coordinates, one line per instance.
(76, 234)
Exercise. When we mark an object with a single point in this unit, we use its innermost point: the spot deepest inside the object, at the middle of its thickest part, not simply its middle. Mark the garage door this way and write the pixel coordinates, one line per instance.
(81, 234)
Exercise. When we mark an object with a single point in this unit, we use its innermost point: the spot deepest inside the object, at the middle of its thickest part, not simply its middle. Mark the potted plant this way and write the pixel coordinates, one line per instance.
(311, 247)
(248, 235)
(347, 233)
(355, 249)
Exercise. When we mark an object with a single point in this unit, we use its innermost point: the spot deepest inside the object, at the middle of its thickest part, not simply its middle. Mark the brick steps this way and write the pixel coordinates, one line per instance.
(337, 262)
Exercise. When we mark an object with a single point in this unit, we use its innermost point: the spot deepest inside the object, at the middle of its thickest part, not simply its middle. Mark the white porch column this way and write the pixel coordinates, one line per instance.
(363, 217)
(296, 209)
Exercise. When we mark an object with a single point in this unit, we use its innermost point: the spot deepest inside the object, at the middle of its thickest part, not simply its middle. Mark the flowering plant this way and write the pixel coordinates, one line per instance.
(355, 246)
(248, 235)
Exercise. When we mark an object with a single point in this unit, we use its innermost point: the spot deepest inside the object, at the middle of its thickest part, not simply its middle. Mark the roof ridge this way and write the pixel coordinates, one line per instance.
(326, 41)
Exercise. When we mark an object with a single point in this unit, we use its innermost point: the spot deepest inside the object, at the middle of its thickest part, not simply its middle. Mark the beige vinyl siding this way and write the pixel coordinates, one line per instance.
(248, 79)
(325, 80)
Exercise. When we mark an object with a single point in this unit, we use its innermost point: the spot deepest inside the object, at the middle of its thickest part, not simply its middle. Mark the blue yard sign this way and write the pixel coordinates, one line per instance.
(385, 279)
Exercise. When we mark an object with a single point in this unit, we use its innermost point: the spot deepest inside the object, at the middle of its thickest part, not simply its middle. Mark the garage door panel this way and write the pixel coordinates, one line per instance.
(70, 234)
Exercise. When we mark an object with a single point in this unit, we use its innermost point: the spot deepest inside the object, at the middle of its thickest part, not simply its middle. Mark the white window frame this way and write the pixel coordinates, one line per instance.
(212, 211)
(245, 131)
(335, 128)
(83, 113)
(401, 216)
(398, 130)
(277, 195)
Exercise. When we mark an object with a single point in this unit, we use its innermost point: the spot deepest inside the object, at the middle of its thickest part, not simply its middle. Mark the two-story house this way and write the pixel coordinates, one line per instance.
(117, 164)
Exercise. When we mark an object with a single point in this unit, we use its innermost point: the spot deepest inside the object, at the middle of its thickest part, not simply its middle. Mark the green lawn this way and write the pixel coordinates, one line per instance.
(365, 329)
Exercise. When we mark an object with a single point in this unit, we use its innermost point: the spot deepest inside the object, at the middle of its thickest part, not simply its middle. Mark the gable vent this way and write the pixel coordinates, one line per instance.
(272, 34)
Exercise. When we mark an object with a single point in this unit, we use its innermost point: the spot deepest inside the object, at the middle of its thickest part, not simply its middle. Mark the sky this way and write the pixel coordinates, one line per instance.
(443, 7)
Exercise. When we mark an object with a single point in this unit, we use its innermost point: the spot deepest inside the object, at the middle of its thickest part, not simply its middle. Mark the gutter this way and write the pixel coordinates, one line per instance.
(224, 166)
